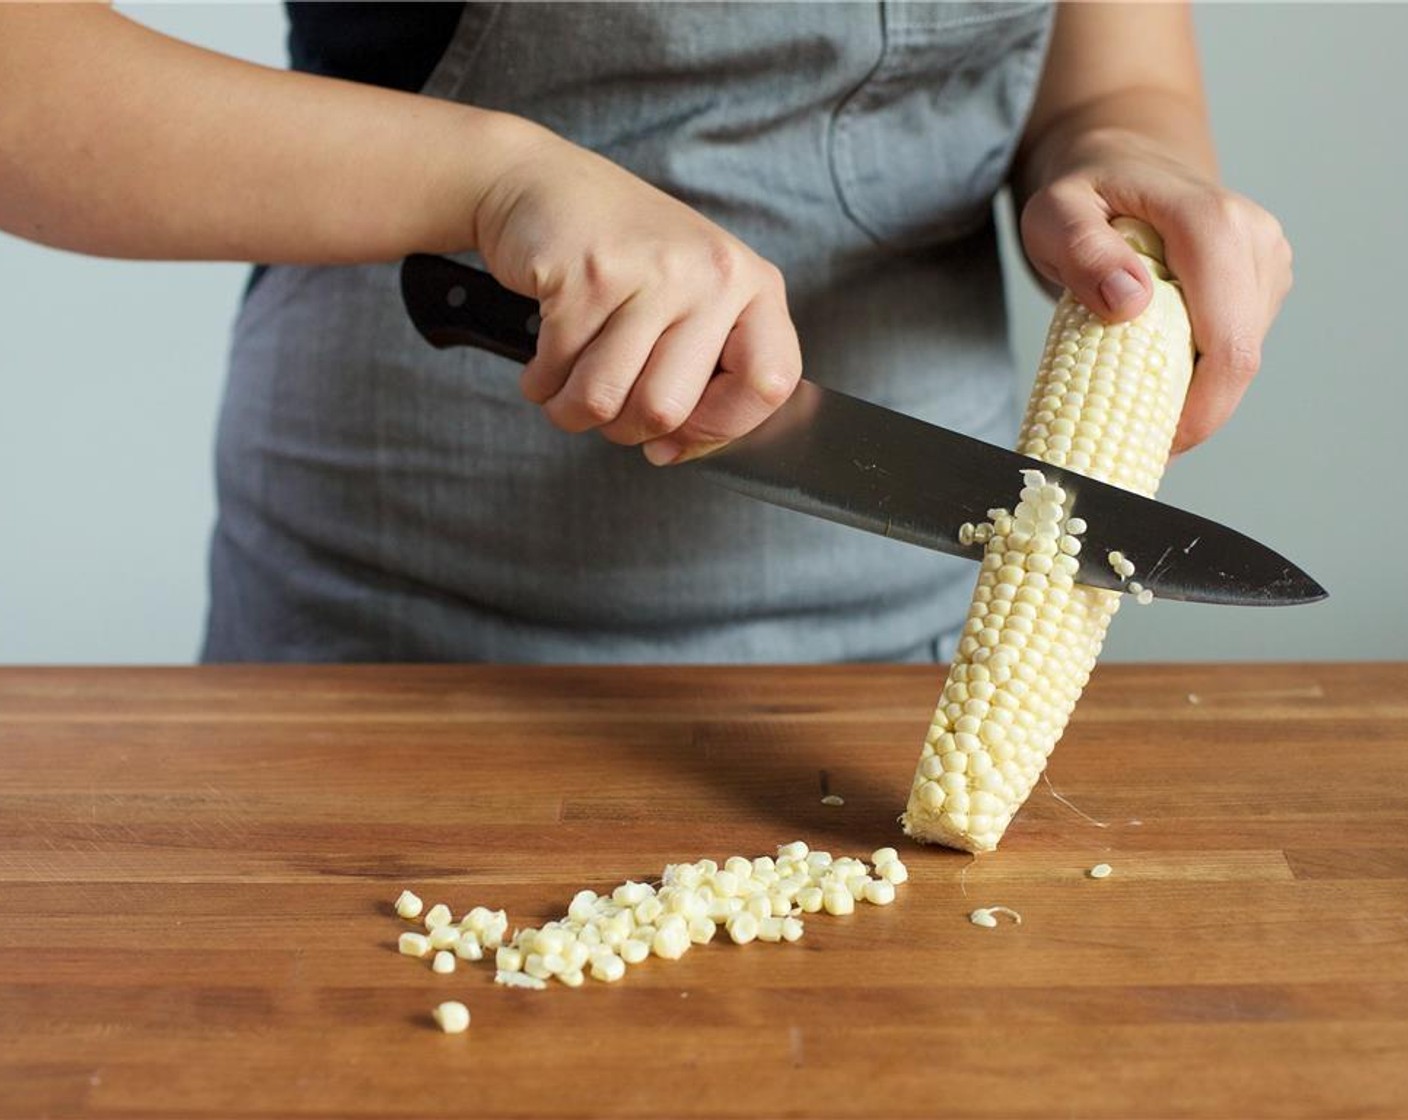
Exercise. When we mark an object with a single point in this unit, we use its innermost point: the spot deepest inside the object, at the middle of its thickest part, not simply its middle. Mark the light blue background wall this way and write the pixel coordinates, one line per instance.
(110, 376)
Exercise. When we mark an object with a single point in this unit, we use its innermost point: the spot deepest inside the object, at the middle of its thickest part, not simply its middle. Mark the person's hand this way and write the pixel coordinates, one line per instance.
(1229, 254)
(658, 327)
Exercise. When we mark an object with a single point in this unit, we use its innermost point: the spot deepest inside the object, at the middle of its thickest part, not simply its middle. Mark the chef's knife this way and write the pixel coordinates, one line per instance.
(835, 456)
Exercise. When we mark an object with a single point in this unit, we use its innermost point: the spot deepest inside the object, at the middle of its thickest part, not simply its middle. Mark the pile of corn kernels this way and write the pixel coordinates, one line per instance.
(762, 899)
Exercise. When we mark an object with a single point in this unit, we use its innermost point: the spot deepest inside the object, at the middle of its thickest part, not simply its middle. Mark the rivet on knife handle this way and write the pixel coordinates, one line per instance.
(452, 304)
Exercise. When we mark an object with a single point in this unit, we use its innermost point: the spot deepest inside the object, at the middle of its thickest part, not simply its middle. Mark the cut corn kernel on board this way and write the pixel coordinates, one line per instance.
(198, 869)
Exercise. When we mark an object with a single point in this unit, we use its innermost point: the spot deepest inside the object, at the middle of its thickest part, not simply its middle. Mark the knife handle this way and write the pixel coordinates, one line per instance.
(452, 304)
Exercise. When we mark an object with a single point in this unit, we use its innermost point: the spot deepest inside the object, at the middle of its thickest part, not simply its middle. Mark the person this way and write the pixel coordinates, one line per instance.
(706, 201)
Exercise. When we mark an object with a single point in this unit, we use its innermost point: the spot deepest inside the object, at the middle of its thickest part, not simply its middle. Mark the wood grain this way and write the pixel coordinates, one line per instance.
(196, 867)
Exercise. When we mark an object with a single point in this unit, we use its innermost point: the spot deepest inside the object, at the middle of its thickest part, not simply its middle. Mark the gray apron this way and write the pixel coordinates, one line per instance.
(380, 500)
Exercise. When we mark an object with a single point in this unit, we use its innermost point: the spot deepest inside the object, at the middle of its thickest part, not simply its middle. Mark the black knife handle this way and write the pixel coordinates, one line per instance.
(452, 304)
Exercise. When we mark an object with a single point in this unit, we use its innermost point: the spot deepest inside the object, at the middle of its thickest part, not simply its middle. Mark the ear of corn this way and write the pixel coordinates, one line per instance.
(1106, 404)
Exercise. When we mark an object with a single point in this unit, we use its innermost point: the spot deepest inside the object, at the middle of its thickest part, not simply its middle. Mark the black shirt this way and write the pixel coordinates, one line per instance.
(383, 44)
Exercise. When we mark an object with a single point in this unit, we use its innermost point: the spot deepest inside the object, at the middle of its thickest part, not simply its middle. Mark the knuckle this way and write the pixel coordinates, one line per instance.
(707, 434)
(725, 259)
(774, 281)
(599, 275)
(576, 411)
(1057, 198)
(775, 386)
(533, 261)
(1229, 215)
(1054, 210)
(1226, 209)
(535, 386)
(662, 414)
(1029, 221)
(1087, 248)
(1039, 216)
(599, 405)
(1241, 357)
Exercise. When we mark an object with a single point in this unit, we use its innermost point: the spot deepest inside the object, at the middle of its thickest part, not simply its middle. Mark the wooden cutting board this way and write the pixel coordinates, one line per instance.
(196, 867)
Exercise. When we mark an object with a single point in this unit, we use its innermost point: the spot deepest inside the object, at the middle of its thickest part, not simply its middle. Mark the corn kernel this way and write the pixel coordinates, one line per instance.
(508, 959)
(576, 956)
(467, 948)
(633, 950)
(408, 905)
(437, 916)
(648, 909)
(452, 1017)
(444, 962)
(895, 872)
(794, 851)
(413, 944)
(478, 919)
(743, 928)
(583, 905)
(880, 892)
(631, 893)
(609, 968)
(720, 909)
(495, 926)
(518, 980)
(701, 930)
(882, 856)
(671, 941)
(987, 916)
(444, 937)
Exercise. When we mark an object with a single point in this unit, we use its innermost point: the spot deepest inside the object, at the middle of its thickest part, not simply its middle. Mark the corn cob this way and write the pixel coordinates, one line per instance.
(1106, 403)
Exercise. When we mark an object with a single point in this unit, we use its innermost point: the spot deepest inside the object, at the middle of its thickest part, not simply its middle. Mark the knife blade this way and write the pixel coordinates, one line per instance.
(835, 456)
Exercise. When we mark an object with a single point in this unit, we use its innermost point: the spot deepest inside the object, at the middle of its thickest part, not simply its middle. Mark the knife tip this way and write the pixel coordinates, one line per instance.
(1296, 587)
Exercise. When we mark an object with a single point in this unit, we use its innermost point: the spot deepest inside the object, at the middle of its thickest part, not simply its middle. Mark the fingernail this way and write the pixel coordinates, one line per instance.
(662, 452)
(1120, 288)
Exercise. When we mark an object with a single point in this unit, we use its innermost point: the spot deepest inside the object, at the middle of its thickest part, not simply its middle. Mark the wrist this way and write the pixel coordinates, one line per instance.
(1154, 126)
(480, 147)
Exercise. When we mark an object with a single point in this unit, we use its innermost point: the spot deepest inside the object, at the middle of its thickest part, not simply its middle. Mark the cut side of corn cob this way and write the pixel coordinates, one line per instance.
(1106, 404)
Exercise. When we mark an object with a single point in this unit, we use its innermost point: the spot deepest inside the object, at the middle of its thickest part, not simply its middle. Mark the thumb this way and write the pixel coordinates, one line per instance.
(1069, 239)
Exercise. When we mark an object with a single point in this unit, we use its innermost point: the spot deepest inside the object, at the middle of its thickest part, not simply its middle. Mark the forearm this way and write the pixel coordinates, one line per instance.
(118, 141)
(1116, 73)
